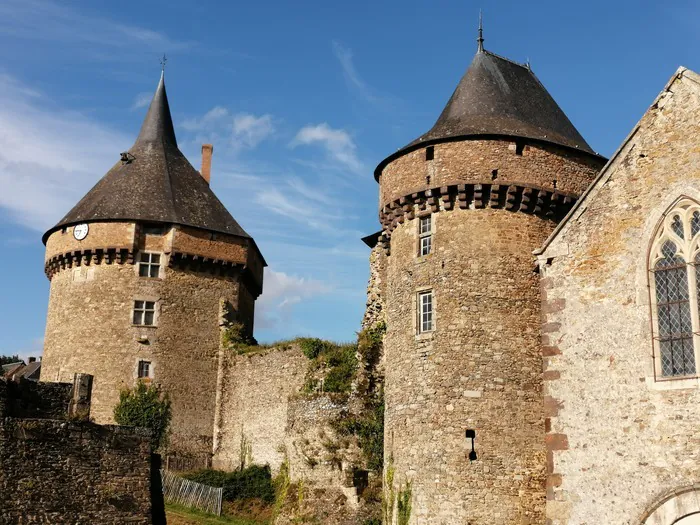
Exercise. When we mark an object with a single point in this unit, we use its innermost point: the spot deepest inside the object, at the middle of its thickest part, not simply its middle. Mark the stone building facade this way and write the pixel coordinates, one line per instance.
(622, 407)
(145, 272)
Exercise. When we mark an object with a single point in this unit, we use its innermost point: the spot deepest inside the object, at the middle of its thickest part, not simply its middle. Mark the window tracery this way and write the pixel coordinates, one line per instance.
(674, 269)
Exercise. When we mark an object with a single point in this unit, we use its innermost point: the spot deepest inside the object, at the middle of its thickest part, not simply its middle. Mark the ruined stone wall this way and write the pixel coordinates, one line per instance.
(474, 161)
(89, 329)
(65, 472)
(374, 310)
(480, 368)
(57, 471)
(618, 439)
(254, 395)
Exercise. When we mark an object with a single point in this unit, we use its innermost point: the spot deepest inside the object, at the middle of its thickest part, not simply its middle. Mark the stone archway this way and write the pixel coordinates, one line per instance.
(682, 507)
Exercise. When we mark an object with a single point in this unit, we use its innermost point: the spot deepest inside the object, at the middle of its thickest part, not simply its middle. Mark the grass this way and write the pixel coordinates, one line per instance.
(179, 515)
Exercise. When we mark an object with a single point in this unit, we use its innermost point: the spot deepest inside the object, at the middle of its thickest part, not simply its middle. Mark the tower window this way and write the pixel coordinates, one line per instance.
(519, 147)
(144, 313)
(153, 229)
(149, 264)
(425, 311)
(425, 235)
(144, 370)
(674, 274)
(430, 153)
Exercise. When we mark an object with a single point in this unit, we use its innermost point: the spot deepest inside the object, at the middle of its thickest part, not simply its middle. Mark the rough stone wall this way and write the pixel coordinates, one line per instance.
(474, 161)
(31, 399)
(254, 405)
(89, 329)
(101, 235)
(58, 471)
(619, 440)
(55, 472)
(374, 310)
(481, 367)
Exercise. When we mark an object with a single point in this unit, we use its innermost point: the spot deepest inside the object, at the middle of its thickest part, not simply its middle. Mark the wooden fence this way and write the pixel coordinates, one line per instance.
(191, 494)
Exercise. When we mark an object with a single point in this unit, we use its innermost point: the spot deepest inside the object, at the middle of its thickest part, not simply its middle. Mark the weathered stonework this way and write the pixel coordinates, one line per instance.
(56, 471)
(481, 366)
(376, 289)
(254, 406)
(621, 443)
(89, 324)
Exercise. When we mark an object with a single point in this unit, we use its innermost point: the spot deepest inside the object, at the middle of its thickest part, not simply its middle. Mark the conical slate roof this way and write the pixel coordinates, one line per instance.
(156, 183)
(499, 97)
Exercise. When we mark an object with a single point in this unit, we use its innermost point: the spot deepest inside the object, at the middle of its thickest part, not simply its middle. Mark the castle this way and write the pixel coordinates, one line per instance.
(541, 307)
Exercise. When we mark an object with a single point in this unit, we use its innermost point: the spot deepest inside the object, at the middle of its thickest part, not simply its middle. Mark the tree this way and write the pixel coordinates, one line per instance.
(145, 406)
(7, 359)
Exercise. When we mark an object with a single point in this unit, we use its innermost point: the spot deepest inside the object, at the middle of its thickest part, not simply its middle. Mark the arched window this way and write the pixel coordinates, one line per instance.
(674, 269)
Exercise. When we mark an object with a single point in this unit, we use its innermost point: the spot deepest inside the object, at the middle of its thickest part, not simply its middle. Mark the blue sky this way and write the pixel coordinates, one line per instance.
(301, 100)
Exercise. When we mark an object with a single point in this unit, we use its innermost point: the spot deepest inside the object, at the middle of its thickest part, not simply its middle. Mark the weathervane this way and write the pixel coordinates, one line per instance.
(162, 62)
(480, 40)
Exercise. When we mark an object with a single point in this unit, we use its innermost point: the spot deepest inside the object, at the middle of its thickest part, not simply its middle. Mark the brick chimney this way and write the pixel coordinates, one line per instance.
(207, 151)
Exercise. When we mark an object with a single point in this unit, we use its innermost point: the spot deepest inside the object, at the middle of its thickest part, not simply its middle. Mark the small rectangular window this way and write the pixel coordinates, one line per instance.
(430, 153)
(144, 313)
(425, 234)
(149, 264)
(153, 229)
(144, 369)
(425, 311)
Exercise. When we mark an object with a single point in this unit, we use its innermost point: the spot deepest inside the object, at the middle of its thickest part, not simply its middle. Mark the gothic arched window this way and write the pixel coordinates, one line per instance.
(674, 266)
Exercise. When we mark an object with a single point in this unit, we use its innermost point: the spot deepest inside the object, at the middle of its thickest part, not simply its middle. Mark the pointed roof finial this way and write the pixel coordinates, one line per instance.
(162, 63)
(480, 40)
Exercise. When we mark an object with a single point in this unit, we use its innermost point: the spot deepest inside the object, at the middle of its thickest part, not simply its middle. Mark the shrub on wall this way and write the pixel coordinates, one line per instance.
(332, 367)
(145, 406)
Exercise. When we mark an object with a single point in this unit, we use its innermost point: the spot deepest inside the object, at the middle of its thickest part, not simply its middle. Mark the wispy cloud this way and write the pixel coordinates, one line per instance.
(239, 131)
(141, 101)
(338, 144)
(281, 292)
(45, 166)
(45, 20)
(345, 57)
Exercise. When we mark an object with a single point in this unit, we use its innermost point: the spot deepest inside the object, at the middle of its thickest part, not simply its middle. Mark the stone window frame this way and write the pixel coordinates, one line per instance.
(151, 369)
(420, 333)
(425, 235)
(687, 247)
(156, 311)
(161, 264)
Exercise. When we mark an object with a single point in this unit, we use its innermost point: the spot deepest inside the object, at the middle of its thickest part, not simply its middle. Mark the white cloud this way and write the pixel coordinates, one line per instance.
(344, 56)
(141, 101)
(250, 130)
(240, 131)
(44, 20)
(48, 157)
(337, 142)
(281, 292)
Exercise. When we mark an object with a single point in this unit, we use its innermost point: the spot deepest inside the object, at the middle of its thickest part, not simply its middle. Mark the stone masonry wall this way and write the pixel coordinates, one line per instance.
(374, 310)
(254, 405)
(59, 471)
(474, 161)
(89, 329)
(56, 472)
(480, 368)
(618, 439)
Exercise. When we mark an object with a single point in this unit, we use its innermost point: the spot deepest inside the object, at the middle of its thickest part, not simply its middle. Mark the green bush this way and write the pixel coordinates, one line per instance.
(312, 347)
(341, 363)
(369, 429)
(145, 406)
(251, 482)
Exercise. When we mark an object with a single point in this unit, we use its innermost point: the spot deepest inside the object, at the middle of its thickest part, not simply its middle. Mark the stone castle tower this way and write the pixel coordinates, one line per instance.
(144, 272)
(462, 208)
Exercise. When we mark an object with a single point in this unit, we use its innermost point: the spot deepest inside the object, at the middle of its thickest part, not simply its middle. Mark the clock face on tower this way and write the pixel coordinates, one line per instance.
(80, 231)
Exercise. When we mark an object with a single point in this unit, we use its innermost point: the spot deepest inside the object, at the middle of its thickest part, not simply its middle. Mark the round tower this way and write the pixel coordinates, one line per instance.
(146, 270)
(462, 208)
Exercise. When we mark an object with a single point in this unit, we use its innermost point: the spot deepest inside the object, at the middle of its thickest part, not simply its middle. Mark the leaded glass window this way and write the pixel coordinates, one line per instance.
(674, 267)
(425, 234)
(425, 311)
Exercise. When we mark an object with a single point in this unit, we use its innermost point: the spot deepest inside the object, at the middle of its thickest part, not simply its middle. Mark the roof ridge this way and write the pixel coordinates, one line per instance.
(496, 55)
